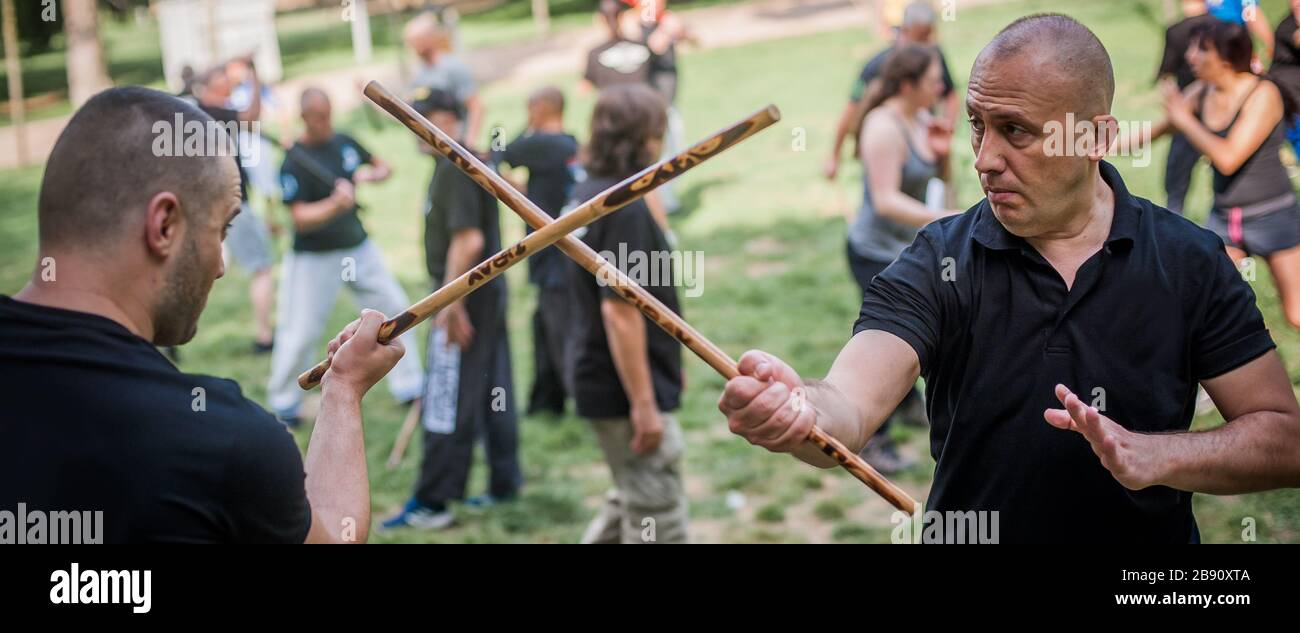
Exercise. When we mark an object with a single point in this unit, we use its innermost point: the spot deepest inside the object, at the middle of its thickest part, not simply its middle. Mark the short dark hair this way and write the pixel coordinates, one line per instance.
(433, 100)
(1072, 47)
(1230, 41)
(551, 96)
(626, 116)
(105, 166)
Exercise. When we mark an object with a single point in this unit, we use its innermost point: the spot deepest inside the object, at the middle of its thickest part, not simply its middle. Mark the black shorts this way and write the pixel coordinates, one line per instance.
(1260, 235)
(863, 269)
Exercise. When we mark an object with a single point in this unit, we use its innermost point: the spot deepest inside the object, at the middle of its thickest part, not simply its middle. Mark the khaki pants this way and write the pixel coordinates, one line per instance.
(648, 504)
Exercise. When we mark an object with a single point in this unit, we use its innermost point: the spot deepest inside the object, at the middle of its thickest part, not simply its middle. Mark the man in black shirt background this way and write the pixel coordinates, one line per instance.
(330, 250)
(1173, 64)
(95, 419)
(469, 388)
(627, 376)
(550, 155)
(249, 242)
(1060, 281)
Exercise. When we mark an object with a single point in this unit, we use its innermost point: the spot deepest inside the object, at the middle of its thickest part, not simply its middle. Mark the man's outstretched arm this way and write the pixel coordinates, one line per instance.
(1257, 449)
(771, 406)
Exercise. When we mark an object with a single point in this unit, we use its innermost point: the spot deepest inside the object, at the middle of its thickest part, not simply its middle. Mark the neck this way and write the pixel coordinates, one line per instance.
(309, 138)
(550, 126)
(83, 288)
(1224, 79)
(904, 106)
(1087, 225)
(1193, 10)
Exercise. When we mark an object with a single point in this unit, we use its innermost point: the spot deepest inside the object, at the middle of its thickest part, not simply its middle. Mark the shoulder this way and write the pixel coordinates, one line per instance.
(343, 140)
(879, 127)
(1267, 95)
(229, 408)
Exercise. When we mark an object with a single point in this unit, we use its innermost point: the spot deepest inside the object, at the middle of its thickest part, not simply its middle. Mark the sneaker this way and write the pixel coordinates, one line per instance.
(483, 502)
(263, 348)
(882, 454)
(417, 515)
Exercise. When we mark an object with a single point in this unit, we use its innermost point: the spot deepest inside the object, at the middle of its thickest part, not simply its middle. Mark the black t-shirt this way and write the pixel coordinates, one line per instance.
(341, 156)
(618, 62)
(1158, 309)
(1286, 58)
(663, 68)
(457, 202)
(1177, 38)
(632, 240)
(552, 162)
(226, 116)
(94, 418)
(877, 65)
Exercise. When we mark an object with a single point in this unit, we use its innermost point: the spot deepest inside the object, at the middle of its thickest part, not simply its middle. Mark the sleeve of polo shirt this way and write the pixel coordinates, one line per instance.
(904, 299)
(1232, 331)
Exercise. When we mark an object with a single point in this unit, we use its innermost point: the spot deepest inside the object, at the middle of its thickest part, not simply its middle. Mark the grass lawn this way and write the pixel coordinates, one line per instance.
(772, 233)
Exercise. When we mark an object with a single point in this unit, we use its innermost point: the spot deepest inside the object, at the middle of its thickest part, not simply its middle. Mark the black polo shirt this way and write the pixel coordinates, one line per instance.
(1156, 310)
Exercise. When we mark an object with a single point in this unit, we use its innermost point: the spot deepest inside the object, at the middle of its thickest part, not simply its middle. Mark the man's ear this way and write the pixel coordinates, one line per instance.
(1107, 130)
(163, 224)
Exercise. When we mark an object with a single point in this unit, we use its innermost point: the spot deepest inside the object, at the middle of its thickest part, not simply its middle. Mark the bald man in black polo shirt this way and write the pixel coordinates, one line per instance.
(1059, 282)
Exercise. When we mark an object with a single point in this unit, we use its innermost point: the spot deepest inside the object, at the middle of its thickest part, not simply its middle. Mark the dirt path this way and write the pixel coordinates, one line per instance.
(716, 27)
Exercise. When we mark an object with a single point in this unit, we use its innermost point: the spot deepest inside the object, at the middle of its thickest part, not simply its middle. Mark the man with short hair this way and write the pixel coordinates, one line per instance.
(439, 69)
(551, 157)
(249, 242)
(469, 391)
(95, 419)
(1059, 281)
(331, 249)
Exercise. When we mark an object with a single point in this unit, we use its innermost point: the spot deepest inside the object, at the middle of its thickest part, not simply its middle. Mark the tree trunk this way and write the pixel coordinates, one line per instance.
(87, 73)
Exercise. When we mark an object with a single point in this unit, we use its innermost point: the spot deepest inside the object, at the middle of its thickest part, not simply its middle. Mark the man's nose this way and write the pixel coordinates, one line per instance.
(988, 154)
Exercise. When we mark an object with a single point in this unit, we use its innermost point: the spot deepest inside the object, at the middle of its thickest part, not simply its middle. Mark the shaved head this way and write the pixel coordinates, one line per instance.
(104, 169)
(136, 197)
(1042, 86)
(313, 98)
(1064, 56)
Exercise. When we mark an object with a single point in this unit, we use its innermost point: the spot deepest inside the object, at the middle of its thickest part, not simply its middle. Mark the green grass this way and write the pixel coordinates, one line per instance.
(772, 232)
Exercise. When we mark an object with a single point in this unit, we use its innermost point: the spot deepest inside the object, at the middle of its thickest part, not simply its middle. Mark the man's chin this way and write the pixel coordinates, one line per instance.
(1014, 218)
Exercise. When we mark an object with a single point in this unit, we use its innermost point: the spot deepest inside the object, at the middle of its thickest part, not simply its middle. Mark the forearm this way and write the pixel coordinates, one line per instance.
(842, 130)
(312, 215)
(464, 252)
(904, 209)
(254, 111)
(1256, 451)
(625, 333)
(838, 417)
(338, 486)
(1211, 145)
(870, 377)
(474, 121)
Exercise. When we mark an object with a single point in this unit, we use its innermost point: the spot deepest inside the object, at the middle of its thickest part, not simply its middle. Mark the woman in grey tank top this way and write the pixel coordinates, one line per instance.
(898, 164)
(1235, 118)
